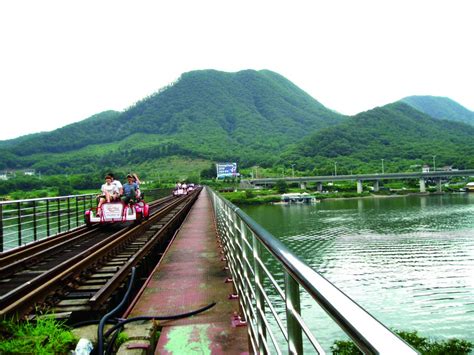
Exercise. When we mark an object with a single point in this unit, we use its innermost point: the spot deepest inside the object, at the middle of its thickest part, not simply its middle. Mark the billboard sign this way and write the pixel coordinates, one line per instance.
(226, 170)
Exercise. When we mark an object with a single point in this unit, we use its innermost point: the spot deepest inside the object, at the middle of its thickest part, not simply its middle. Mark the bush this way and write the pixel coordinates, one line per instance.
(424, 345)
(249, 194)
(281, 186)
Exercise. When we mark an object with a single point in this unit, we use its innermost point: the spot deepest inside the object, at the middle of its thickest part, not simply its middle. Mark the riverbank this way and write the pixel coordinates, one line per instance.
(258, 197)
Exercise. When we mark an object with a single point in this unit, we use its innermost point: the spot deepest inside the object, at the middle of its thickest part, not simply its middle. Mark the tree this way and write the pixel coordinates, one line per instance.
(281, 186)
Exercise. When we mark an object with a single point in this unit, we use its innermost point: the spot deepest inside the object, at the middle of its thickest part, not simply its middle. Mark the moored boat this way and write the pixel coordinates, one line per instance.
(470, 186)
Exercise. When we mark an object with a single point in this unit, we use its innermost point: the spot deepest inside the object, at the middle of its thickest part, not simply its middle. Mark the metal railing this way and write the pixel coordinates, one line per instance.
(249, 249)
(25, 221)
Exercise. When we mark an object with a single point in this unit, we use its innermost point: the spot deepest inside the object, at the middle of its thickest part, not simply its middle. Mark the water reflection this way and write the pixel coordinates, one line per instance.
(407, 260)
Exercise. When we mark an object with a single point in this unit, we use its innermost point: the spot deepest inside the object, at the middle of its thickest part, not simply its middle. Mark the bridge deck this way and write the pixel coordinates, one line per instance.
(191, 275)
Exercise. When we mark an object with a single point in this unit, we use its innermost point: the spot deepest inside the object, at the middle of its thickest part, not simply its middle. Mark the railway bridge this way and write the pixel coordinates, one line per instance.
(197, 255)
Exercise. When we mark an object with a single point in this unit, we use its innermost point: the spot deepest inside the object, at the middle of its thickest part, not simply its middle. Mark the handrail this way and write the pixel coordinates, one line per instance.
(239, 233)
(24, 221)
(44, 199)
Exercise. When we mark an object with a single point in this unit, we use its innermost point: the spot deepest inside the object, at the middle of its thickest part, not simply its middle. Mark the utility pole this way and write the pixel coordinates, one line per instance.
(293, 170)
(382, 167)
(434, 162)
(335, 168)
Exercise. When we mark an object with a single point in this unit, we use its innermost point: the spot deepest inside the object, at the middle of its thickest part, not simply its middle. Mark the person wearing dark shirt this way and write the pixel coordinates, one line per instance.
(129, 190)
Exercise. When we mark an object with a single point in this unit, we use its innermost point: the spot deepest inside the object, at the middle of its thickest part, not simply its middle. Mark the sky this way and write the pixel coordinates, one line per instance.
(64, 61)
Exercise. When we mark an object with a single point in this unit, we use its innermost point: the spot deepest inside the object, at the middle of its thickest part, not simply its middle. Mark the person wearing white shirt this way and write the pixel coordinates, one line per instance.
(109, 192)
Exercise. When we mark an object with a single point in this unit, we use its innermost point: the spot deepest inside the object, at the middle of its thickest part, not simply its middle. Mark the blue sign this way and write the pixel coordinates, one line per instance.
(226, 170)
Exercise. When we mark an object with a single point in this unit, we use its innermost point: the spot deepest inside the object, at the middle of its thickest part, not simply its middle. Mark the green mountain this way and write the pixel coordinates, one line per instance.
(248, 116)
(441, 107)
(404, 137)
(74, 136)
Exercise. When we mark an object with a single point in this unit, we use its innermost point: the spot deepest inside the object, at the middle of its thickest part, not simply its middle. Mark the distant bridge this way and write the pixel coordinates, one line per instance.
(359, 178)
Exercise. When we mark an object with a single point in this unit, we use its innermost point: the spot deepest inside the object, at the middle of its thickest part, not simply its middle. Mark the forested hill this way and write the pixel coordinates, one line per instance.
(70, 137)
(441, 107)
(397, 133)
(248, 116)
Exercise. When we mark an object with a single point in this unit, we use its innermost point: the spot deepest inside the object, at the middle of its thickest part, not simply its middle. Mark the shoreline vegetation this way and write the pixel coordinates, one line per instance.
(259, 197)
(46, 335)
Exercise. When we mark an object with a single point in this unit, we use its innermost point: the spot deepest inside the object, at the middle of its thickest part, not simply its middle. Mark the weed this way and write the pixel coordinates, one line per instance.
(44, 336)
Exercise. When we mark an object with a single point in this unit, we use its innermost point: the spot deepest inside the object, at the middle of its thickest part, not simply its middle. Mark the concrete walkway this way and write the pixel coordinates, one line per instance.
(191, 275)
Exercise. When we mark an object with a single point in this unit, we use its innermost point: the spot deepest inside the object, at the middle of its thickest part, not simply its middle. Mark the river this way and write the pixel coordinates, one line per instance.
(409, 261)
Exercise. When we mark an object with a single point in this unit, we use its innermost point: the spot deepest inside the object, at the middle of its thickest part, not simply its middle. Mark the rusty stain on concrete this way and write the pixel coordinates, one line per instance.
(191, 276)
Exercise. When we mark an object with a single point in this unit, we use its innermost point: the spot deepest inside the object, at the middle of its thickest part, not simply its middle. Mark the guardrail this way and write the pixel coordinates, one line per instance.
(249, 248)
(25, 221)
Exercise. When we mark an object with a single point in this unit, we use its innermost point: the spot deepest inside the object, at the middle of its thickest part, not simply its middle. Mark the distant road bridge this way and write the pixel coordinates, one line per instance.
(360, 178)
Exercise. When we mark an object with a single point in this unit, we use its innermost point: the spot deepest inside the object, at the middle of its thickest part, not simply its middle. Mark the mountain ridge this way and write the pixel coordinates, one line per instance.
(208, 114)
(441, 107)
(397, 133)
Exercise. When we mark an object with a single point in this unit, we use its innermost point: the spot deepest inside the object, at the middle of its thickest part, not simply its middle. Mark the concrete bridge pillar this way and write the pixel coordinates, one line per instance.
(376, 186)
(319, 186)
(302, 185)
(359, 186)
(439, 186)
(422, 185)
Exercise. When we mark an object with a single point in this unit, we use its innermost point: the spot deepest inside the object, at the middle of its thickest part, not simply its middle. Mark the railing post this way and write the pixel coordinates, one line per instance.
(77, 212)
(1, 228)
(18, 206)
(295, 336)
(35, 226)
(230, 248)
(259, 298)
(59, 215)
(68, 204)
(47, 219)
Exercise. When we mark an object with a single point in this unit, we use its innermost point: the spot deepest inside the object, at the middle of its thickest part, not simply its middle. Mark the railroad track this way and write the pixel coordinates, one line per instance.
(9, 260)
(81, 271)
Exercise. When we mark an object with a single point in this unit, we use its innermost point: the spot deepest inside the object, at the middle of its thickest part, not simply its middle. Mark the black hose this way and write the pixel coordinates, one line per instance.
(94, 321)
(100, 331)
(121, 323)
(111, 342)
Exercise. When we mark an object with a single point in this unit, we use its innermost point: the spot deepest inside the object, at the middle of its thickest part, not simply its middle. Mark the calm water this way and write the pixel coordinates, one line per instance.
(409, 261)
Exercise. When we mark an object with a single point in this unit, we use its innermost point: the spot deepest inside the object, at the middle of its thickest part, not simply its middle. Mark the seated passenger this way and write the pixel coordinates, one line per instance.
(109, 192)
(118, 184)
(129, 190)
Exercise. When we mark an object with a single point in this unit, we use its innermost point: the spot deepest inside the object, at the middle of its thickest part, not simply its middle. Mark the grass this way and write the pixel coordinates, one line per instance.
(44, 336)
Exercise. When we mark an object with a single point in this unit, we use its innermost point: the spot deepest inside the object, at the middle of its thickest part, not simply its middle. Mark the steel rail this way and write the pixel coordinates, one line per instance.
(12, 255)
(19, 301)
(105, 291)
(24, 251)
(43, 252)
(41, 280)
(25, 258)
